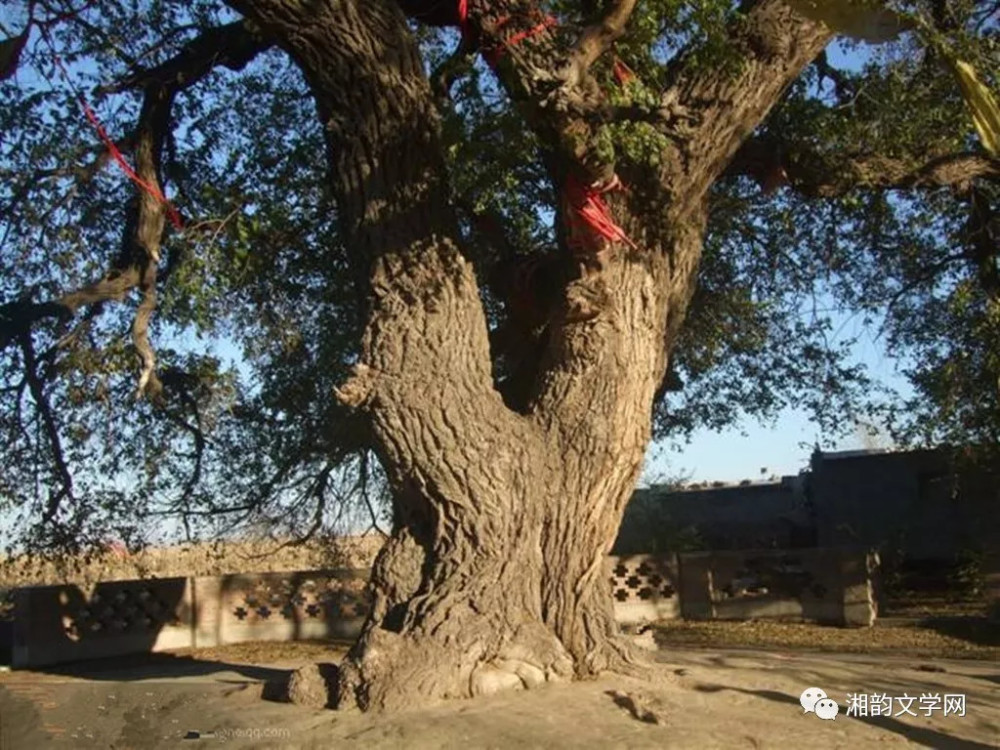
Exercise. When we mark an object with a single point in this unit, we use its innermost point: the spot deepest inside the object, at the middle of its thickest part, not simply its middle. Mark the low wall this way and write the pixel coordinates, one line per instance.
(826, 585)
(59, 624)
(645, 588)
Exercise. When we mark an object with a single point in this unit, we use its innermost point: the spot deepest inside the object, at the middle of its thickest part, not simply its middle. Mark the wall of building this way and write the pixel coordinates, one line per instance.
(913, 502)
(910, 501)
(762, 515)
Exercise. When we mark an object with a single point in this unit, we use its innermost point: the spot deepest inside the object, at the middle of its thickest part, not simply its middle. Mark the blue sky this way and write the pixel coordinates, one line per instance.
(781, 448)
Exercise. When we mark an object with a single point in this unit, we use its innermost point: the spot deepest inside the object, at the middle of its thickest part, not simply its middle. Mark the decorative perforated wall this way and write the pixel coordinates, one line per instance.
(56, 624)
(134, 606)
(315, 597)
(644, 587)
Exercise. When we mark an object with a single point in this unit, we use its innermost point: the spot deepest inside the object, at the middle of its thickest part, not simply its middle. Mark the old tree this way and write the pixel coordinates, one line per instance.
(476, 267)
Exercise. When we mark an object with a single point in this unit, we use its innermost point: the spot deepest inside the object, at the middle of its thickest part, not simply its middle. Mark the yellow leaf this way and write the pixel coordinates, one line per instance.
(982, 105)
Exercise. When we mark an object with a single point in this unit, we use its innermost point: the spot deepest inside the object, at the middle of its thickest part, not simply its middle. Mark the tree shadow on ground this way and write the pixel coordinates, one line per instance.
(920, 735)
(133, 667)
(158, 666)
(978, 630)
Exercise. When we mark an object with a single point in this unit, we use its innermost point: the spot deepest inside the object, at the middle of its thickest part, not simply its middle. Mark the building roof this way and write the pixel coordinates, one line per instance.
(836, 455)
(784, 482)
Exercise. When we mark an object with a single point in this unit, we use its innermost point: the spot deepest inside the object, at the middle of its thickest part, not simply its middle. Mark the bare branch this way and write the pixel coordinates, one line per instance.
(81, 174)
(56, 496)
(841, 83)
(920, 278)
(178, 382)
(18, 317)
(318, 492)
(148, 381)
(10, 53)
(150, 223)
(234, 46)
(363, 472)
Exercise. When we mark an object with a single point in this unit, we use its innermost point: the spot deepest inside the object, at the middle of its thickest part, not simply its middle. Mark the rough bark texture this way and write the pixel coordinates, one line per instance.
(494, 575)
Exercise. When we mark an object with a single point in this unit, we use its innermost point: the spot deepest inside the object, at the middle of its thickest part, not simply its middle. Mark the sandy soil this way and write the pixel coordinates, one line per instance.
(703, 699)
(944, 637)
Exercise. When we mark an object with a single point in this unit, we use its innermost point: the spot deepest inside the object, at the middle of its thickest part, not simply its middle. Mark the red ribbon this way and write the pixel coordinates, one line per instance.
(463, 17)
(493, 54)
(588, 216)
(587, 208)
(622, 72)
(522, 35)
(150, 187)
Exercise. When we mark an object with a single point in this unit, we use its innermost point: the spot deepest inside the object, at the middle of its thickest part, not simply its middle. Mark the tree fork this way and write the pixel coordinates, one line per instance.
(494, 576)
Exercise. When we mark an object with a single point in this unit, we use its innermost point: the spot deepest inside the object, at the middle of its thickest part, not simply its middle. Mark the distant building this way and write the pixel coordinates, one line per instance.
(751, 515)
(914, 501)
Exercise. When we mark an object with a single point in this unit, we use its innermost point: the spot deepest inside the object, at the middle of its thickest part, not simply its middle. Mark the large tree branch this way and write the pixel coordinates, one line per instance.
(17, 317)
(37, 388)
(425, 355)
(388, 178)
(562, 102)
(821, 175)
(774, 44)
(231, 46)
(597, 39)
(154, 126)
(550, 79)
(720, 106)
(386, 201)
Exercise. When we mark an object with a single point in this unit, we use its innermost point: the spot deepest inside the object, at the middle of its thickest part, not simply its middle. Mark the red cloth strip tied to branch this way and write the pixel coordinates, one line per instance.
(493, 53)
(151, 188)
(622, 72)
(463, 18)
(519, 37)
(589, 224)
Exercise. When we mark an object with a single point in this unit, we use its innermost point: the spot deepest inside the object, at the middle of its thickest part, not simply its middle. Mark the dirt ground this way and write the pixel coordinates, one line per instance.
(702, 698)
(951, 637)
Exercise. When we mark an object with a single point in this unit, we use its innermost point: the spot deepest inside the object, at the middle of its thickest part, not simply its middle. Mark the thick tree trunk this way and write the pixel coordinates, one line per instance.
(495, 573)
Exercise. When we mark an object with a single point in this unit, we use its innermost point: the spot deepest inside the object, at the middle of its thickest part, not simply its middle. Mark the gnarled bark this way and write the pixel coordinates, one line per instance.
(494, 575)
